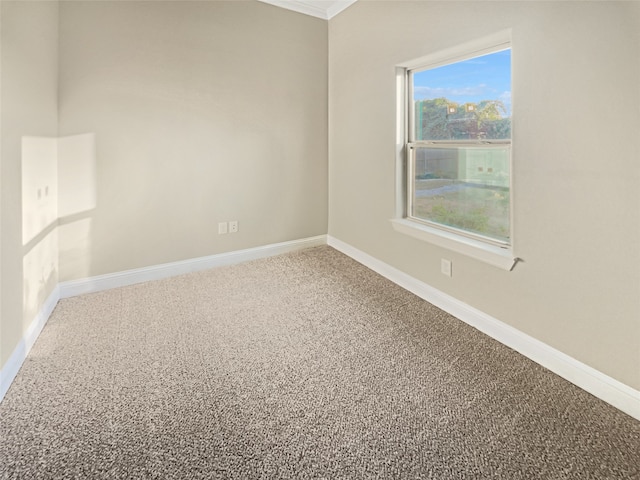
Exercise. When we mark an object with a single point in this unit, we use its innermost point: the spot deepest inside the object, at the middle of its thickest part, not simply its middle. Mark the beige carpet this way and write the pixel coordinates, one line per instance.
(305, 365)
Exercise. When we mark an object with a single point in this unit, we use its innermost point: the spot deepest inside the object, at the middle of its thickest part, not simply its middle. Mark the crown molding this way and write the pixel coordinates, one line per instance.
(325, 9)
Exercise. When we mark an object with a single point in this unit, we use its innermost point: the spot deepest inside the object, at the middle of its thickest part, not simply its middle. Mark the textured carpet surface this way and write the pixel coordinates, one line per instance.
(305, 365)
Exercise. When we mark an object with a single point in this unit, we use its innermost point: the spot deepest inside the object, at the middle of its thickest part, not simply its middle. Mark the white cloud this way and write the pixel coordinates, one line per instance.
(449, 92)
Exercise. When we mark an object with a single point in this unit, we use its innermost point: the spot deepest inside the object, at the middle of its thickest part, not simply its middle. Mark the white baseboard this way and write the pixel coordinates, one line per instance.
(593, 381)
(156, 272)
(12, 367)
(130, 277)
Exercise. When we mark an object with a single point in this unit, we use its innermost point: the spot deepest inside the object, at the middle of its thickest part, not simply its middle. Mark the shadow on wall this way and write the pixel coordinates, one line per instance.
(58, 192)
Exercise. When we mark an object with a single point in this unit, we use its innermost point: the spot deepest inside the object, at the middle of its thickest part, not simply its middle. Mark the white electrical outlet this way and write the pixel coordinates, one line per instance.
(445, 267)
(233, 226)
(222, 228)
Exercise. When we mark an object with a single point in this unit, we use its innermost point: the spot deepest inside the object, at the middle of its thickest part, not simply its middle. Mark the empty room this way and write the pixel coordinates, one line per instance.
(256, 239)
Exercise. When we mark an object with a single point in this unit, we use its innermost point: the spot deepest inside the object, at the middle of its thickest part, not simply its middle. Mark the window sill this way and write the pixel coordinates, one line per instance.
(498, 257)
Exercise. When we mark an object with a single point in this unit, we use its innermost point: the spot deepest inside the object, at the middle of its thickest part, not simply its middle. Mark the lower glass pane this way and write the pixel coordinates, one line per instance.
(466, 188)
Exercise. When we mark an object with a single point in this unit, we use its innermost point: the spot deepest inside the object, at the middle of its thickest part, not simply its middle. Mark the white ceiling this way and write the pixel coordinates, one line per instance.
(317, 8)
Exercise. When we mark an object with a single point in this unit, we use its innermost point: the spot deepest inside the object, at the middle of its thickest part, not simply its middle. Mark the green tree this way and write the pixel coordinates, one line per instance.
(443, 119)
(434, 121)
(491, 122)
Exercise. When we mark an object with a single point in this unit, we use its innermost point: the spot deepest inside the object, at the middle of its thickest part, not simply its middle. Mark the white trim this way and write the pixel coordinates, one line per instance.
(323, 9)
(493, 255)
(98, 283)
(338, 7)
(12, 367)
(593, 381)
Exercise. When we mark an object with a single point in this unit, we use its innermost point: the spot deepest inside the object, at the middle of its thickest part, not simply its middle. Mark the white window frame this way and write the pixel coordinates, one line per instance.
(491, 252)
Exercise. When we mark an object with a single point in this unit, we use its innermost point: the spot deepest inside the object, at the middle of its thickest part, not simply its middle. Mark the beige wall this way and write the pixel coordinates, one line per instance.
(576, 71)
(203, 112)
(29, 51)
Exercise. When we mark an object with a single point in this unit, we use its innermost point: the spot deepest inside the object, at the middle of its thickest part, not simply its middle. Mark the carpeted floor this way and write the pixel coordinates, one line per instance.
(305, 365)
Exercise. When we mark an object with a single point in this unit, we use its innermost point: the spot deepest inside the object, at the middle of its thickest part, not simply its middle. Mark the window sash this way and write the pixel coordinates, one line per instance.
(411, 149)
(412, 144)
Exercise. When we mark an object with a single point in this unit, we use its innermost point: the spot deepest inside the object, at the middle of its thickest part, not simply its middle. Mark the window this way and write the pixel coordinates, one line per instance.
(458, 147)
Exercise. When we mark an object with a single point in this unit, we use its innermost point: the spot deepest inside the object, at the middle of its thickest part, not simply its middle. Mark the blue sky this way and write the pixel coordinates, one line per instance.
(481, 78)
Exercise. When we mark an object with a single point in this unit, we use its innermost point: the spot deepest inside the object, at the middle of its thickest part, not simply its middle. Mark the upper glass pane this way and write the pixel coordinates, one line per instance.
(466, 100)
